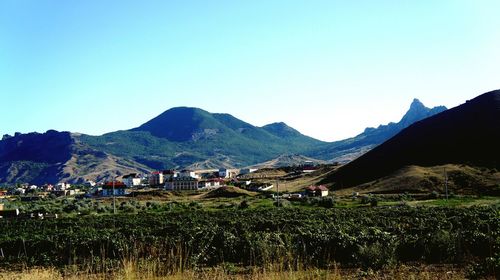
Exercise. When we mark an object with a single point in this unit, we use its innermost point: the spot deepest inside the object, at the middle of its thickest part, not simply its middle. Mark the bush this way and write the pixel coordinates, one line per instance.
(375, 255)
(71, 208)
(327, 202)
(195, 205)
(365, 200)
(485, 268)
(244, 204)
(282, 203)
(434, 195)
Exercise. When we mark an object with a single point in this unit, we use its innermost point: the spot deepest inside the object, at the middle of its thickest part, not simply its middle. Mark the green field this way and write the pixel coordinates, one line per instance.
(190, 237)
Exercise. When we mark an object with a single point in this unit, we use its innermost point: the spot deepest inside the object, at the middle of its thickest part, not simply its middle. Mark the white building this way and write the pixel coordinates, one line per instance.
(182, 183)
(191, 184)
(156, 178)
(169, 174)
(132, 180)
(245, 171)
(209, 184)
(188, 174)
(62, 187)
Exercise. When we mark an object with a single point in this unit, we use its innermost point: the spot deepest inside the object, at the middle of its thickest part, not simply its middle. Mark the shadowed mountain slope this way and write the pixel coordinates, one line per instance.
(467, 134)
(351, 148)
(51, 157)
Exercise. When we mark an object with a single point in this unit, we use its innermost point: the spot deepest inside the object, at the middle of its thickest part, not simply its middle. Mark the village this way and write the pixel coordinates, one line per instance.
(167, 181)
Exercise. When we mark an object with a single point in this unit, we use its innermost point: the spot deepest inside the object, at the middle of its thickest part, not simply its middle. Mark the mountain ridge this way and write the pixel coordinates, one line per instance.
(179, 137)
(348, 149)
(467, 134)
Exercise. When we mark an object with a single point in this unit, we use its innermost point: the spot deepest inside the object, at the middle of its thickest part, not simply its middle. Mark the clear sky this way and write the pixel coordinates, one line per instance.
(327, 68)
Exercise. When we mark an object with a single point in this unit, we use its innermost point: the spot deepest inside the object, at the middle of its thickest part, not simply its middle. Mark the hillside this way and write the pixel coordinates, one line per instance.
(178, 138)
(287, 160)
(467, 134)
(183, 136)
(462, 179)
(346, 150)
(50, 157)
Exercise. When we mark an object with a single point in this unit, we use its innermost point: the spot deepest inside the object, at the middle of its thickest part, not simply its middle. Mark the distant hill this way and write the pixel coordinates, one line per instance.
(468, 134)
(184, 136)
(51, 157)
(178, 138)
(351, 148)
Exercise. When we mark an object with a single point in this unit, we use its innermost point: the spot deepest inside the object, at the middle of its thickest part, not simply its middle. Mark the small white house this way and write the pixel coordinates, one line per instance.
(62, 187)
(20, 191)
(188, 174)
(245, 171)
(209, 184)
(132, 180)
(321, 191)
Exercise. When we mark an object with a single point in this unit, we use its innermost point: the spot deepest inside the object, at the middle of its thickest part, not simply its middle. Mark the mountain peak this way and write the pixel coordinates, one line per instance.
(418, 111)
(281, 125)
(179, 124)
(467, 134)
(416, 103)
(281, 130)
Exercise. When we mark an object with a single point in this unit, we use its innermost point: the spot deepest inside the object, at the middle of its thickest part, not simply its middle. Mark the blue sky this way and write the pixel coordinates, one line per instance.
(327, 68)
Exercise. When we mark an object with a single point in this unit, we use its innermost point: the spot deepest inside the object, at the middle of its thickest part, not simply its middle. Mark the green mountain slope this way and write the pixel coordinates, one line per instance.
(179, 137)
(184, 136)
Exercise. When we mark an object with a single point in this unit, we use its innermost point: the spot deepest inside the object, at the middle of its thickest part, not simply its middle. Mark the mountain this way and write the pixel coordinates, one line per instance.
(178, 138)
(50, 157)
(468, 134)
(185, 136)
(346, 150)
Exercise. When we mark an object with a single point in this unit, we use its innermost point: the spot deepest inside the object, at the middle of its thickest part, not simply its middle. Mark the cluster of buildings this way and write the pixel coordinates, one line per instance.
(60, 189)
(171, 180)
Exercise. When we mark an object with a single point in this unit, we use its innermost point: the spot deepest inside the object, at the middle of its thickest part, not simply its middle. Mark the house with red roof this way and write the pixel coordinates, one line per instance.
(320, 191)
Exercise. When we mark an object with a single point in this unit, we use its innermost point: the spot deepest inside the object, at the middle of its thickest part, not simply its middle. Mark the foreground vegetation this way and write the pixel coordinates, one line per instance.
(282, 239)
(132, 271)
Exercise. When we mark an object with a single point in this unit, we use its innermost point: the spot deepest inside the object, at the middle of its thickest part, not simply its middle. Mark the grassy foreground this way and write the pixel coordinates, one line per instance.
(130, 272)
(258, 243)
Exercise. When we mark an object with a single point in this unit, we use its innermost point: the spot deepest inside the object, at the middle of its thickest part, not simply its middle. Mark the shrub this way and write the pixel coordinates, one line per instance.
(244, 204)
(375, 255)
(282, 203)
(327, 202)
(71, 208)
(365, 200)
(195, 205)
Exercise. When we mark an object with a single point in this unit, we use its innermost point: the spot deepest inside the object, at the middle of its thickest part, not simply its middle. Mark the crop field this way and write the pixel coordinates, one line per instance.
(266, 238)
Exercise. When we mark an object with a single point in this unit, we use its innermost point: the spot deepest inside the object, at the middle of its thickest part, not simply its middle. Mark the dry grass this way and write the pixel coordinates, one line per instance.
(130, 271)
(427, 179)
